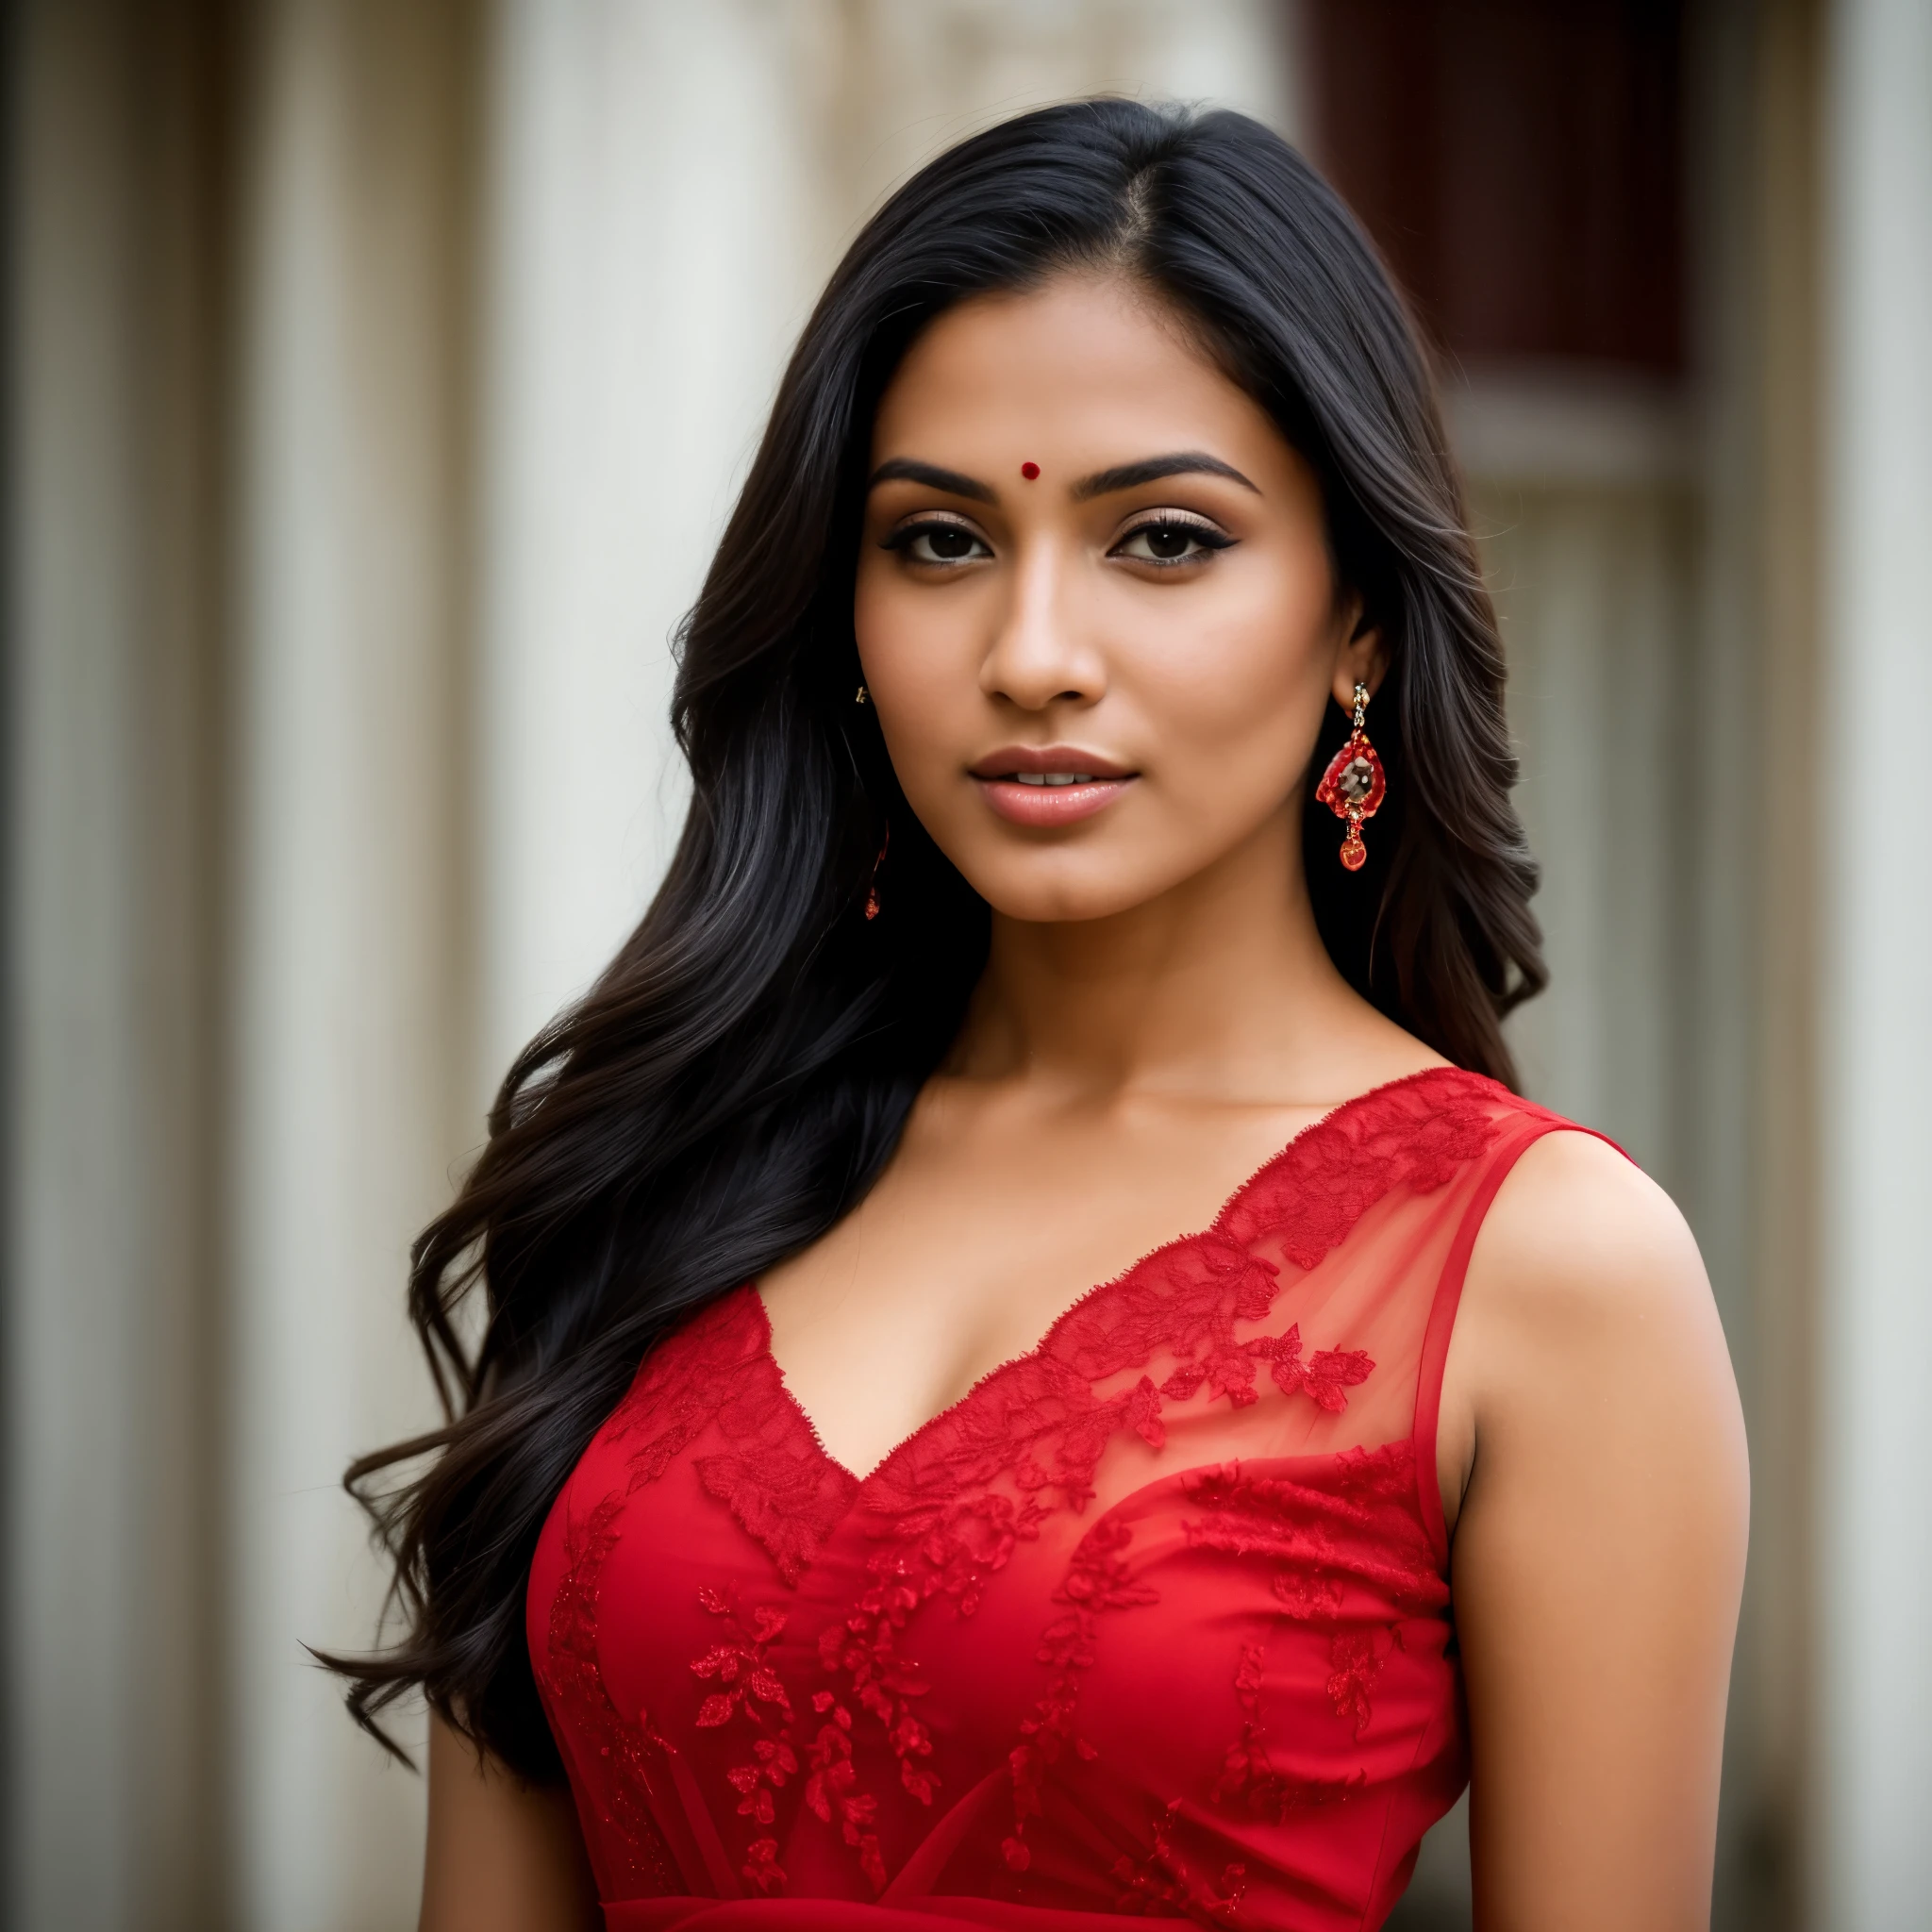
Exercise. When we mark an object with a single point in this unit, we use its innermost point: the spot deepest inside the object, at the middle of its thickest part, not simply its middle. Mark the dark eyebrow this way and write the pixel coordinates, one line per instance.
(909, 470)
(1187, 462)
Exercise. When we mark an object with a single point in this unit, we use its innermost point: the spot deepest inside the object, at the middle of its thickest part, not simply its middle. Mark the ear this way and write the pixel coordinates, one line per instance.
(1360, 658)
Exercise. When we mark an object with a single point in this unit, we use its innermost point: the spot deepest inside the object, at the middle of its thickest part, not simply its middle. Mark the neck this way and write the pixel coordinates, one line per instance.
(1218, 989)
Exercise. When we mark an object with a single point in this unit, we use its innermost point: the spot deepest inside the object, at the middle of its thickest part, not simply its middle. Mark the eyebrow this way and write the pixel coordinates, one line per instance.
(1186, 462)
(909, 470)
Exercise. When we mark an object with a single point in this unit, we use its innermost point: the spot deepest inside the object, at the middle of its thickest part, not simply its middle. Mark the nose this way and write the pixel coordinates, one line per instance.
(1043, 653)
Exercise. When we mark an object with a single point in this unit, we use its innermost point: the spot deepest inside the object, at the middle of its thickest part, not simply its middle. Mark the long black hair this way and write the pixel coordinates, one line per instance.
(741, 1073)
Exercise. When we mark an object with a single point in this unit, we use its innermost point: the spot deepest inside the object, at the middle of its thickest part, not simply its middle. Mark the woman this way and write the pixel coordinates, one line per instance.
(1100, 831)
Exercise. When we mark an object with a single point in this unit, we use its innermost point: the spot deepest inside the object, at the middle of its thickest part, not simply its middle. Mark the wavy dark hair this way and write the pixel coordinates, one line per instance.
(737, 1079)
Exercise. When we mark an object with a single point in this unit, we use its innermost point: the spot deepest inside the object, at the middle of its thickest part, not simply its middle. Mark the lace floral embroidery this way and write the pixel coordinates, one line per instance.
(1097, 1579)
(883, 1683)
(681, 1389)
(1038, 1419)
(1324, 1375)
(749, 1690)
(832, 1789)
(1416, 1136)
(789, 1504)
(1161, 1882)
(1356, 1525)
(572, 1674)
(1356, 1658)
(1249, 1777)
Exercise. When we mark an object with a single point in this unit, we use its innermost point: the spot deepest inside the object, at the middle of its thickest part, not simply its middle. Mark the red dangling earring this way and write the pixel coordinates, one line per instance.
(1353, 784)
(872, 891)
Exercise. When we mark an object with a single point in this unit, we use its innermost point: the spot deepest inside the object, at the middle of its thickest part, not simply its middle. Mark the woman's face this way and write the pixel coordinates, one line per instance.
(1095, 607)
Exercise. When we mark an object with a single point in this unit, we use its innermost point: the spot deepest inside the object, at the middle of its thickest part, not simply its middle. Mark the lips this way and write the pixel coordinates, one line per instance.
(1049, 785)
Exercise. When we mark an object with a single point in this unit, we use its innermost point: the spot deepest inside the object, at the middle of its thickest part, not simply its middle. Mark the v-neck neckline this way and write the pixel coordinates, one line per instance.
(1112, 1284)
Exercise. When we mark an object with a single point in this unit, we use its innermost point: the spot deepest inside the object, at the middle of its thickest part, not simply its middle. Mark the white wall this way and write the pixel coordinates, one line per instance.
(1875, 1694)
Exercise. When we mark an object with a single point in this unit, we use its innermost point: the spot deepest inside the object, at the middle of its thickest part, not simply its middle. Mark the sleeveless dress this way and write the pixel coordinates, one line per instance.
(1155, 1621)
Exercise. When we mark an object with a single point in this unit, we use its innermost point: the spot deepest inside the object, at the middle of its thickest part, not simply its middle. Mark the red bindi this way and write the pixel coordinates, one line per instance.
(1029, 471)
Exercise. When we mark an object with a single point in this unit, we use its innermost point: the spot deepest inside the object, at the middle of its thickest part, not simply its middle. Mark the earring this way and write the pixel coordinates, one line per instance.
(1355, 784)
(872, 891)
(860, 696)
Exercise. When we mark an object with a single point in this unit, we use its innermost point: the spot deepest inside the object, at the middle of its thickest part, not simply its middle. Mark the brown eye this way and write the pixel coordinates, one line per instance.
(1170, 541)
(937, 543)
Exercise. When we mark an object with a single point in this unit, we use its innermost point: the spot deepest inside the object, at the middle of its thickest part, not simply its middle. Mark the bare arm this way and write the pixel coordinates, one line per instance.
(502, 1855)
(1599, 1550)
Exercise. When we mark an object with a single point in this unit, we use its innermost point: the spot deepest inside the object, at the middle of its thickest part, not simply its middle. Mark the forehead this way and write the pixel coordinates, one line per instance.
(1084, 366)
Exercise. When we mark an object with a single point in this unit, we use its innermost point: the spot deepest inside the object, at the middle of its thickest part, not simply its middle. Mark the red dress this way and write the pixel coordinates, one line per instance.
(1155, 1621)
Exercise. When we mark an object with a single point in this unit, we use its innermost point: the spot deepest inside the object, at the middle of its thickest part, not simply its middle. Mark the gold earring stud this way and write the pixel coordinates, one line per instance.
(859, 696)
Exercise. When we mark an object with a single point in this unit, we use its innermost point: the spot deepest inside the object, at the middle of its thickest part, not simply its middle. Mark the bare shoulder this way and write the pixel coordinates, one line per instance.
(1599, 1494)
(1586, 1318)
(1581, 1240)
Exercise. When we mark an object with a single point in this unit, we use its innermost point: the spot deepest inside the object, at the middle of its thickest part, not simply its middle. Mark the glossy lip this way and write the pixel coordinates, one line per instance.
(996, 775)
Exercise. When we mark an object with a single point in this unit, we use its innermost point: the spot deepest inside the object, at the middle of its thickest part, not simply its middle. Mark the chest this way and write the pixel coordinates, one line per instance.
(1053, 1609)
(979, 1233)
(1153, 1618)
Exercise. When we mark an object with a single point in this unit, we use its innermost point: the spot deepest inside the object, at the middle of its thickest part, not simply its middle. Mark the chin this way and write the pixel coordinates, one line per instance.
(1064, 895)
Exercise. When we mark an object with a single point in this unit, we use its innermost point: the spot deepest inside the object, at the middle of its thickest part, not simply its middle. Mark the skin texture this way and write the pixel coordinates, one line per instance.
(1158, 1017)
(500, 1856)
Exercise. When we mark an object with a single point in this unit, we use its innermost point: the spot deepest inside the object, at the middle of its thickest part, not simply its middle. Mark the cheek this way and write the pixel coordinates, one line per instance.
(919, 653)
(1235, 700)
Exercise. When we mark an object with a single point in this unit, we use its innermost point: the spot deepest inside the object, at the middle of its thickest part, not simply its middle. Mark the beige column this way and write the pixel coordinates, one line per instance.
(112, 744)
(350, 1016)
(652, 201)
(1874, 802)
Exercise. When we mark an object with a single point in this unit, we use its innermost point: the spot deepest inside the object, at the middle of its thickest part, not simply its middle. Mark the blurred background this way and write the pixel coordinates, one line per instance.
(379, 375)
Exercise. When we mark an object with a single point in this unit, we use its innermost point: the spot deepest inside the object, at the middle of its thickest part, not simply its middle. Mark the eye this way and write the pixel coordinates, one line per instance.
(1169, 540)
(936, 542)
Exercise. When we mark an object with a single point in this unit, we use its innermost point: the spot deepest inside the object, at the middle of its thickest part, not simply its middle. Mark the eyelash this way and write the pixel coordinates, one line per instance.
(1208, 538)
(1206, 535)
(904, 537)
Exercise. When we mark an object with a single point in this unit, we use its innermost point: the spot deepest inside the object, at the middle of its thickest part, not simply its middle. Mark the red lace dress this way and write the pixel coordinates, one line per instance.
(1155, 1621)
